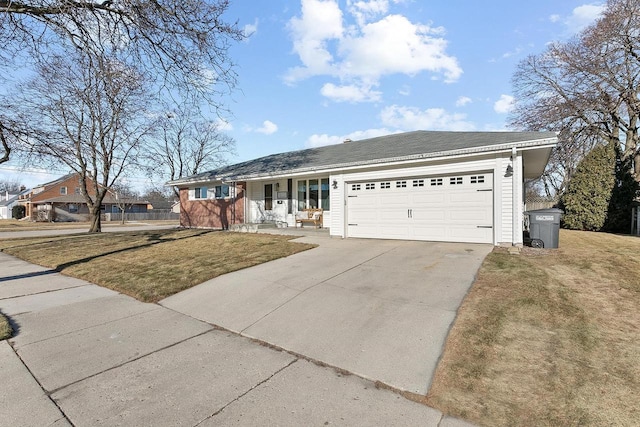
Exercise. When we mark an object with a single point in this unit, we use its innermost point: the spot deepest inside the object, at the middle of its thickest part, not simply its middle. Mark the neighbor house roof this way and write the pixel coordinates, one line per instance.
(385, 149)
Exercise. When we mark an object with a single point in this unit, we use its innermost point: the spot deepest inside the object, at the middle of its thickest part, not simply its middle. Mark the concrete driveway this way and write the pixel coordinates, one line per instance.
(84, 355)
(377, 308)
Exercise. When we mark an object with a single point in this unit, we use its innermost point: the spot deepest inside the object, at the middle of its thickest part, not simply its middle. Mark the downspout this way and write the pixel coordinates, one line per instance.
(514, 196)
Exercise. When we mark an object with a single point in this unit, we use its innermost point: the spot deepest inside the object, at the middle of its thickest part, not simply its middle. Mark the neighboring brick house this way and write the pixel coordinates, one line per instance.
(61, 200)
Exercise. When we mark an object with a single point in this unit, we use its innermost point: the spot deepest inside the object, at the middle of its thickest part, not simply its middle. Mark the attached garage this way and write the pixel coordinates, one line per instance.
(447, 208)
(439, 186)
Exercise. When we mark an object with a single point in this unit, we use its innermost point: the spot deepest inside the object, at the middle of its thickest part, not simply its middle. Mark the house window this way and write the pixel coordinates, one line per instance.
(302, 195)
(77, 190)
(418, 182)
(221, 191)
(324, 194)
(436, 181)
(477, 179)
(200, 193)
(455, 180)
(313, 193)
(63, 191)
(401, 184)
(268, 197)
(385, 185)
(370, 186)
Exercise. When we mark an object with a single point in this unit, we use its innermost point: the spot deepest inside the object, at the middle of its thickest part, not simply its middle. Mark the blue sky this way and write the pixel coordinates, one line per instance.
(314, 72)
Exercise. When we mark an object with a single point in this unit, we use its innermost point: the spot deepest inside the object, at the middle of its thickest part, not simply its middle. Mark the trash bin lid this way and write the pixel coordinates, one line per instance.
(545, 211)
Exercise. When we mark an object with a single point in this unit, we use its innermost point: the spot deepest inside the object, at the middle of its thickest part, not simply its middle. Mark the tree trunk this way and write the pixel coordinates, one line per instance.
(96, 223)
(122, 219)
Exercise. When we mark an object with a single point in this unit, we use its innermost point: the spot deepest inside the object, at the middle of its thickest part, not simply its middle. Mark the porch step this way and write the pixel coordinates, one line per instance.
(254, 227)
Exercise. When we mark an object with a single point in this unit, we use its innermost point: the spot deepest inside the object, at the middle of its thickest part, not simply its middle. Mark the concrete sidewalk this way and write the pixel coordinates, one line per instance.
(84, 355)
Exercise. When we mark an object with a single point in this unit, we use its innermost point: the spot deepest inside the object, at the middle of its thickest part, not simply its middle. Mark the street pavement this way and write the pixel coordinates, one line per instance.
(83, 355)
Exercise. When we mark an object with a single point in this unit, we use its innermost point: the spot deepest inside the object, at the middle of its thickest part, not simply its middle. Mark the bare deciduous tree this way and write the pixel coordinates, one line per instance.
(189, 145)
(91, 117)
(586, 89)
(125, 197)
(184, 44)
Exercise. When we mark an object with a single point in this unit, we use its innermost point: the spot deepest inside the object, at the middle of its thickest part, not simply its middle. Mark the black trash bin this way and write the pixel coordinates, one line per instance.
(544, 227)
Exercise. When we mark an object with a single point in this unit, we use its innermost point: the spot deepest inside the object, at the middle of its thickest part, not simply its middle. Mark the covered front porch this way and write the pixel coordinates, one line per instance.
(280, 201)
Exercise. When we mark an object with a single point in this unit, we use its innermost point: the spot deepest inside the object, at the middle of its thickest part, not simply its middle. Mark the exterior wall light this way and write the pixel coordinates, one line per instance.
(335, 184)
(508, 172)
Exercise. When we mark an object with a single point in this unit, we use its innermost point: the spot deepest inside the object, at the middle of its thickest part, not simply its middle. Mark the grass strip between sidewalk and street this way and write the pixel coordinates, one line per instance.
(152, 265)
(548, 337)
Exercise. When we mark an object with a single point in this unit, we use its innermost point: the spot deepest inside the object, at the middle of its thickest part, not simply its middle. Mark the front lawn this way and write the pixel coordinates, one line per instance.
(152, 265)
(15, 225)
(548, 338)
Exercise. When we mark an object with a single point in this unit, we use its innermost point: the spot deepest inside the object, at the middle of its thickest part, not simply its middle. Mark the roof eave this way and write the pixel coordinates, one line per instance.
(531, 144)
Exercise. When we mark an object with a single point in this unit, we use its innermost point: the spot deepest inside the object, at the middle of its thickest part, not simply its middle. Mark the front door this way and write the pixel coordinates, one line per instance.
(268, 197)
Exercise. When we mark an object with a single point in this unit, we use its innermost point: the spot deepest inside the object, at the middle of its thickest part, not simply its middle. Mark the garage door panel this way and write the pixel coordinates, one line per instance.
(436, 198)
(454, 211)
(471, 197)
(469, 234)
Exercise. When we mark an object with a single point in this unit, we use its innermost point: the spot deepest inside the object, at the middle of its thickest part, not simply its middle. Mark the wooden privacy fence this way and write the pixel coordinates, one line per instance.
(540, 202)
(146, 216)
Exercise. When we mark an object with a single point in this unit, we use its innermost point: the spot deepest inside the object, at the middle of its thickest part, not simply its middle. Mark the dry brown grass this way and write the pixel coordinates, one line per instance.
(5, 328)
(152, 265)
(15, 225)
(548, 338)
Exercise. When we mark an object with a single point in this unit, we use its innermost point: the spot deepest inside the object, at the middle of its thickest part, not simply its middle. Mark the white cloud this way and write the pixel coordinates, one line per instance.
(223, 125)
(268, 127)
(463, 100)
(321, 21)
(375, 46)
(364, 11)
(504, 104)
(412, 118)
(350, 93)
(317, 140)
(582, 16)
(554, 18)
(250, 30)
(405, 90)
(396, 45)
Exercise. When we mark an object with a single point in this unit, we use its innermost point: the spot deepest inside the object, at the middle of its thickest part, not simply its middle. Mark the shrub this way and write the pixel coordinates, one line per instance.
(18, 212)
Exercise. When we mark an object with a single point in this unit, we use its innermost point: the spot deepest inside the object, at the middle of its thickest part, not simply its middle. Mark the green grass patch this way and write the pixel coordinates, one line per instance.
(152, 265)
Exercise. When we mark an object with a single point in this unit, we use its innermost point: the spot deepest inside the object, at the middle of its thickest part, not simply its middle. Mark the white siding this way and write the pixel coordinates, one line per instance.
(507, 195)
(337, 206)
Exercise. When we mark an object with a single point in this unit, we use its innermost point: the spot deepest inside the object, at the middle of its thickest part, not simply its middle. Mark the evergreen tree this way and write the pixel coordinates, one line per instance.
(588, 195)
(623, 194)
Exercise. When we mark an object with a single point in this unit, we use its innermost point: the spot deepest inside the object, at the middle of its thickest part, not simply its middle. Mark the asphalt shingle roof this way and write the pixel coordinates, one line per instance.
(369, 151)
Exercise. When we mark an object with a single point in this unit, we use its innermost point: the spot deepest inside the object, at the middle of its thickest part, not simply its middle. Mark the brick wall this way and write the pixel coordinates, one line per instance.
(54, 191)
(212, 213)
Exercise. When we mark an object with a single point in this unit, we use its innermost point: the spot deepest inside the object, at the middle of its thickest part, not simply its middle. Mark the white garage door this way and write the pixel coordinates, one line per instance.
(451, 208)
